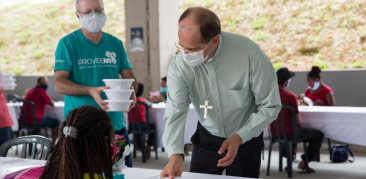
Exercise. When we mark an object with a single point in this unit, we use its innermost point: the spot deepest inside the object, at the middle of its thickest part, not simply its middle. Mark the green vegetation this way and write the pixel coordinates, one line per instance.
(295, 34)
(30, 33)
(277, 65)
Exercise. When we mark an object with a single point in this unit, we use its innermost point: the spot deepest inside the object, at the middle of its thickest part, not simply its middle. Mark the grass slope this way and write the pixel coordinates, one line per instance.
(293, 33)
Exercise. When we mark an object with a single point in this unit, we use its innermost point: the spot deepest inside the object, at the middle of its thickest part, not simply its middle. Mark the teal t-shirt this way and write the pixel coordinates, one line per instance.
(89, 64)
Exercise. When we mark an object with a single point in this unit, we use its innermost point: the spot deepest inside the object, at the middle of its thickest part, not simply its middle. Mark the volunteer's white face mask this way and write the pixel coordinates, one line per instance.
(316, 86)
(288, 83)
(93, 23)
(193, 61)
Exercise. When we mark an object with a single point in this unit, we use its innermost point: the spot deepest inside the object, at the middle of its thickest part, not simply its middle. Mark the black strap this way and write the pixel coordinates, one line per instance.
(350, 152)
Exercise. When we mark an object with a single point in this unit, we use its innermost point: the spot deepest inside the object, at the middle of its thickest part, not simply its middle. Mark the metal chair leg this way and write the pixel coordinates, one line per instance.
(143, 147)
(156, 145)
(329, 148)
(45, 129)
(134, 145)
(306, 158)
(280, 157)
(289, 160)
(269, 157)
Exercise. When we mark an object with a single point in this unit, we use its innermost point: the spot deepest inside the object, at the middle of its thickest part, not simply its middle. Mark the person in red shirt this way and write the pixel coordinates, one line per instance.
(313, 137)
(39, 96)
(318, 92)
(5, 119)
(133, 114)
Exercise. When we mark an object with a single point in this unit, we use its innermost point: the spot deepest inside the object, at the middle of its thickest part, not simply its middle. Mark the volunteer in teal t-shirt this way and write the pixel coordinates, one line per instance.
(87, 56)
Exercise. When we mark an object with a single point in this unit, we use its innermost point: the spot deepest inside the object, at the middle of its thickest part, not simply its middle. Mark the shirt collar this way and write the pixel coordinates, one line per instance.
(218, 51)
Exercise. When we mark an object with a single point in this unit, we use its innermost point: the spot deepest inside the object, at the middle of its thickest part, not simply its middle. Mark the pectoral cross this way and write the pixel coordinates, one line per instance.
(206, 106)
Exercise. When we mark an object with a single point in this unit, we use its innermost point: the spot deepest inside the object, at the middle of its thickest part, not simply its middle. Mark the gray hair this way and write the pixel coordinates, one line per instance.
(77, 7)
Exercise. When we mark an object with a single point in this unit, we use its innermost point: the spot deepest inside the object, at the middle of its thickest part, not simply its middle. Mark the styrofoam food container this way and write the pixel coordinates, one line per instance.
(7, 81)
(118, 94)
(118, 105)
(118, 83)
(7, 77)
(9, 86)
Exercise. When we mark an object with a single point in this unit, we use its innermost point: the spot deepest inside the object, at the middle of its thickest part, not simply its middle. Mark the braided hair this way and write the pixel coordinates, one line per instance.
(90, 152)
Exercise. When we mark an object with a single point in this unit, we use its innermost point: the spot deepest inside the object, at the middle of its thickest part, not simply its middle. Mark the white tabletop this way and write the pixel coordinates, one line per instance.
(56, 112)
(344, 124)
(10, 165)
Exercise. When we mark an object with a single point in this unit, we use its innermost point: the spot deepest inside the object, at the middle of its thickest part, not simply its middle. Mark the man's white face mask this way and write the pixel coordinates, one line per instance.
(93, 22)
(316, 86)
(288, 83)
(193, 60)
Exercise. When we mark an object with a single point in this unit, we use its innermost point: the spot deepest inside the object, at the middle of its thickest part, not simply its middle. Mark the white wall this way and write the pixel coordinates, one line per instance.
(349, 86)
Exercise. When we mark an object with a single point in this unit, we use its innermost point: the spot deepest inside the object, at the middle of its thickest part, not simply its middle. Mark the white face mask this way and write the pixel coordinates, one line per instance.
(93, 23)
(316, 86)
(288, 83)
(193, 61)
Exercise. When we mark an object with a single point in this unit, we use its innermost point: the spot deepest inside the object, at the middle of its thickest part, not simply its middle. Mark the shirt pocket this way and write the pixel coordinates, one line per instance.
(239, 99)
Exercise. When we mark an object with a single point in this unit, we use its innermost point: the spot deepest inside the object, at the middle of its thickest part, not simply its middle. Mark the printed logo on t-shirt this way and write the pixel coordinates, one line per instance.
(99, 62)
(320, 102)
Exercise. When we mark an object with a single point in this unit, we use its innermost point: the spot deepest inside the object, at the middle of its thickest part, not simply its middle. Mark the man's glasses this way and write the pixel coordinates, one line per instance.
(194, 53)
(90, 13)
(182, 48)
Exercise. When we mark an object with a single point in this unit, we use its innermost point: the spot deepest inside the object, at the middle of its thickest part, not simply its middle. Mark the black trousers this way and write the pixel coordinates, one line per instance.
(315, 140)
(205, 155)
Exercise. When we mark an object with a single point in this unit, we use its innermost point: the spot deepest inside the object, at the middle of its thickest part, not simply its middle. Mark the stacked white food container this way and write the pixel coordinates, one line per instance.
(8, 82)
(118, 94)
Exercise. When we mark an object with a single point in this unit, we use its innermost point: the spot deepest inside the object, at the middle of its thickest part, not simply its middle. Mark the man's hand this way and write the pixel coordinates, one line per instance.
(231, 144)
(95, 93)
(174, 167)
(133, 98)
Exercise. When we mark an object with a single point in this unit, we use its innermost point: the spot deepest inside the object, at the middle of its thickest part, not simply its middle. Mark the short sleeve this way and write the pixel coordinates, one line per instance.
(125, 63)
(328, 89)
(295, 103)
(45, 97)
(63, 56)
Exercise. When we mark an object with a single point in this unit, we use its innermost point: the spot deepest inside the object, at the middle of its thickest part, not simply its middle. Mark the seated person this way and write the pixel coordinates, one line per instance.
(87, 153)
(313, 137)
(39, 96)
(318, 92)
(5, 119)
(133, 115)
(163, 92)
(79, 154)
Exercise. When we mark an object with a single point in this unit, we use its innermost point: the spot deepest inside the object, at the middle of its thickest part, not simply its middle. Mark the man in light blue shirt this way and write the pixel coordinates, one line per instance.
(233, 87)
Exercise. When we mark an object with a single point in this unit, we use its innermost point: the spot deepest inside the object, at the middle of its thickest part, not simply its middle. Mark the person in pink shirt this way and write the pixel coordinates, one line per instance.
(39, 96)
(5, 119)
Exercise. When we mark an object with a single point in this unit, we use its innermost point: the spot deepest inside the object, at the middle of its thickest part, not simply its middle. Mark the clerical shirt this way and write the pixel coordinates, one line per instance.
(245, 95)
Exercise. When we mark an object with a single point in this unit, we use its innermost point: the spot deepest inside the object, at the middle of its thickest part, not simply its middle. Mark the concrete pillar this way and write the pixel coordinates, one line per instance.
(159, 20)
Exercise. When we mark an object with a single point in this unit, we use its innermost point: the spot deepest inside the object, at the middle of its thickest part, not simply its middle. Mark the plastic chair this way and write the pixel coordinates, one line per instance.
(25, 106)
(136, 130)
(12, 97)
(34, 140)
(288, 141)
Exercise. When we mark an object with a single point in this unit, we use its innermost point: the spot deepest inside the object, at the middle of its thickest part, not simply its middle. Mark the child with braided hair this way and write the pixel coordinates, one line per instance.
(85, 148)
